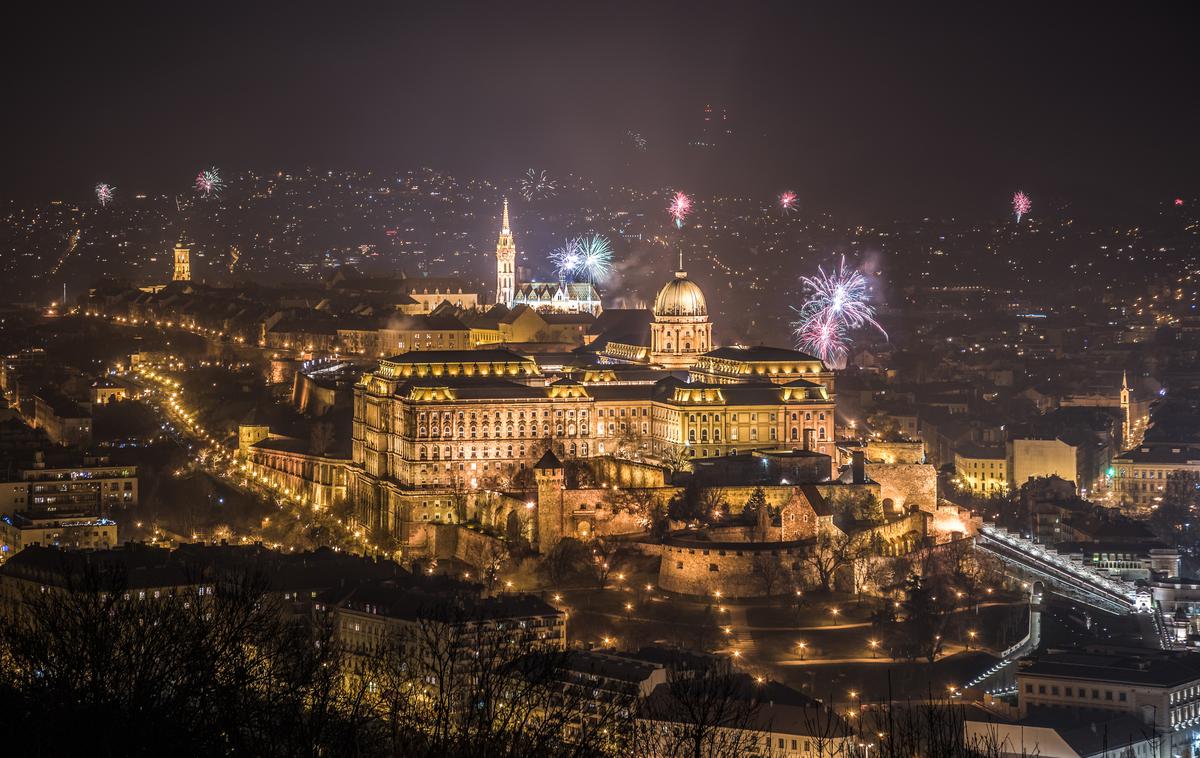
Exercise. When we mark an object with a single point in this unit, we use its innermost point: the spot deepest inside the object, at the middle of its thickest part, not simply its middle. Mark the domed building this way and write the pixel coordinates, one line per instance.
(681, 331)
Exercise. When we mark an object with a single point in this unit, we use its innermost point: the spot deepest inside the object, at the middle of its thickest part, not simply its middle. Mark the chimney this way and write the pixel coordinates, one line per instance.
(858, 467)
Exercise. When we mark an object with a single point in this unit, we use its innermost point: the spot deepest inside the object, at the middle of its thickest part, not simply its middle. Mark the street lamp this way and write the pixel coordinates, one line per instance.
(803, 647)
(874, 646)
(971, 638)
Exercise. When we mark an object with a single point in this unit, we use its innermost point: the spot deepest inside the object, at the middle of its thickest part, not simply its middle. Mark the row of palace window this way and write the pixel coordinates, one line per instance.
(446, 416)
(569, 428)
(447, 452)
(733, 434)
(703, 417)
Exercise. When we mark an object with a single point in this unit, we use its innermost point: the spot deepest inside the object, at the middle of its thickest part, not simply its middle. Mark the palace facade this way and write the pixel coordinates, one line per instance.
(429, 424)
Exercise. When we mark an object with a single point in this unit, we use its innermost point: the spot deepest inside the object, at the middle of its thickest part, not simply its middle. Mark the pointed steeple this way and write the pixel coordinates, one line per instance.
(506, 261)
(1125, 381)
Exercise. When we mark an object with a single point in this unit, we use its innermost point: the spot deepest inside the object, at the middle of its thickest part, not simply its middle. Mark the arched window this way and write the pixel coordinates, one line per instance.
(421, 452)
(821, 433)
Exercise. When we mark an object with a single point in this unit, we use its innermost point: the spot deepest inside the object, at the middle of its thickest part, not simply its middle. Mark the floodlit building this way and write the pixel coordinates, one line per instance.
(1139, 476)
(981, 470)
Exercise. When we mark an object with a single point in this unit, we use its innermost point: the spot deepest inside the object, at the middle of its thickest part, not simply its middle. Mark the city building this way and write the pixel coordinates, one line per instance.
(479, 419)
(104, 391)
(763, 719)
(982, 470)
(80, 530)
(183, 265)
(92, 486)
(1037, 458)
(374, 615)
(1139, 476)
(64, 421)
(1161, 689)
(291, 465)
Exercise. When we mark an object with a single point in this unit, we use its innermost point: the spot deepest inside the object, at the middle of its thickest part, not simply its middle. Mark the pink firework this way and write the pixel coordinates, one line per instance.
(680, 207)
(1021, 204)
(1178, 201)
(787, 201)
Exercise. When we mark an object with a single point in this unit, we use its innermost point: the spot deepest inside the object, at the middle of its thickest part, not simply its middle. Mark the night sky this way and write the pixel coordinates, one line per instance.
(896, 108)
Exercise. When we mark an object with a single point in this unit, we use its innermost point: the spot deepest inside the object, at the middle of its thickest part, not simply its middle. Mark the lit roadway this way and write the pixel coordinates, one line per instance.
(214, 457)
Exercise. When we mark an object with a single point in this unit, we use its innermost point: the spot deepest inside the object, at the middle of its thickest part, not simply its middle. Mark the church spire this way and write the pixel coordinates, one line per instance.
(506, 261)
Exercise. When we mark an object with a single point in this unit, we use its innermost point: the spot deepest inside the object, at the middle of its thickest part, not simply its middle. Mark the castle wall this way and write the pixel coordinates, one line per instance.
(884, 451)
(700, 568)
(907, 485)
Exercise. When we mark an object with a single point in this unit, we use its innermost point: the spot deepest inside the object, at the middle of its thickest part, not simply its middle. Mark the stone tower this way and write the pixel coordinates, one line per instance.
(183, 265)
(506, 262)
(551, 518)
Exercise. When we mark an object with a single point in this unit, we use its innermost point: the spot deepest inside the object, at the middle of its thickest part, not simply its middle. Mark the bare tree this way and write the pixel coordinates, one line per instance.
(566, 558)
(771, 572)
(213, 664)
(453, 684)
(709, 712)
(490, 561)
(607, 555)
(829, 554)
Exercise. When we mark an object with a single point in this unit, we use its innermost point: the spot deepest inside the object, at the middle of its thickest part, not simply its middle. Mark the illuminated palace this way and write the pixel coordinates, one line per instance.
(556, 297)
(458, 420)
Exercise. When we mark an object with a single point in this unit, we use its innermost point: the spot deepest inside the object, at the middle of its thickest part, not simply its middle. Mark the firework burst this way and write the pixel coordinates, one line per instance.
(1021, 204)
(680, 207)
(639, 142)
(567, 259)
(838, 304)
(787, 202)
(537, 185)
(595, 257)
(209, 182)
(104, 193)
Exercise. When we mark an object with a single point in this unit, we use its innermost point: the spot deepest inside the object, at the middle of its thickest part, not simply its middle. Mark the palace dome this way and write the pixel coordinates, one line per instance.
(680, 297)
